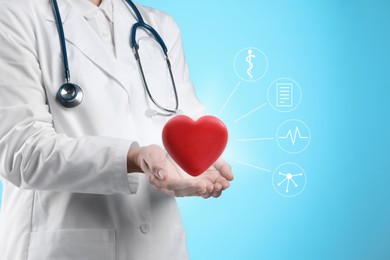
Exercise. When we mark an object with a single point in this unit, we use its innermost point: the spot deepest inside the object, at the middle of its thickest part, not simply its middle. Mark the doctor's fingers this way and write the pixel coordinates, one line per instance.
(218, 181)
(171, 180)
(155, 162)
(215, 177)
(191, 192)
(190, 187)
(159, 185)
(217, 190)
(156, 182)
(221, 183)
(224, 169)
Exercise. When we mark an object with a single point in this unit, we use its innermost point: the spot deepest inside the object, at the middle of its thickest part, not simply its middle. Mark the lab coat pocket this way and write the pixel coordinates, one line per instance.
(75, 244)
(178, 242)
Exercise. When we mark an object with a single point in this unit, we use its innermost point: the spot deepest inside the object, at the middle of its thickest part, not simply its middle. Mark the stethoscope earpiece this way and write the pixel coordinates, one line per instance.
(70, 95)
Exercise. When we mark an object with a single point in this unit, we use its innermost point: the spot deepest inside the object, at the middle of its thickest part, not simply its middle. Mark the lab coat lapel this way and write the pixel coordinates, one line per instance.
(79, 33)
(123, 21)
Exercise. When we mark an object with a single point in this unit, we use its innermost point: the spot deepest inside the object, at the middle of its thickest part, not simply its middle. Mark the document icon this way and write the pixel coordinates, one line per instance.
(284, 95)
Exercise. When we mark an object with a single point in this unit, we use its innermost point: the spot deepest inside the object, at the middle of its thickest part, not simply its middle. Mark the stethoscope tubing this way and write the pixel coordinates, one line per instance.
(61, 34)
(71, 95)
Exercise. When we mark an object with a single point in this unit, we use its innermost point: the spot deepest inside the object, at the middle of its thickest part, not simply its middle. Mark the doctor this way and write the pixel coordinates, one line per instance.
(91, 181)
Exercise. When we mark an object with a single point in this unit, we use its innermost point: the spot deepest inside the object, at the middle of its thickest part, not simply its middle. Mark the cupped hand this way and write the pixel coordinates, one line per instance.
(166, 176)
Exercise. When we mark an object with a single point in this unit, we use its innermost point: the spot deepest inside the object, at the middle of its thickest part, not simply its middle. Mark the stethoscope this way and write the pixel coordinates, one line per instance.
(71, 95)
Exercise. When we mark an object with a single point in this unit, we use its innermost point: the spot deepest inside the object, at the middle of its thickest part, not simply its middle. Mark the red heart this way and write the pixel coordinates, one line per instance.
(194, 145)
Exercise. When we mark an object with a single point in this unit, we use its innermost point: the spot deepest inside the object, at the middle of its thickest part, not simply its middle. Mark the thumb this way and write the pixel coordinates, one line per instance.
(156, 160)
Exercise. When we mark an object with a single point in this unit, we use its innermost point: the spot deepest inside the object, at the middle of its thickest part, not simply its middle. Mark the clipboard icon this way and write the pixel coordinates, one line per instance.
(284, 95)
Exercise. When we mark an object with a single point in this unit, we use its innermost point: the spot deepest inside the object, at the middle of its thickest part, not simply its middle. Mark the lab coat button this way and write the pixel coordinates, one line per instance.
(145, 228)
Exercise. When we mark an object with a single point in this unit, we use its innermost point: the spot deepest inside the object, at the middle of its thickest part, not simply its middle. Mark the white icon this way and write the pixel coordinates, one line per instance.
(249, 61)
(250, 64)
(284, 95)
(293, 136)
(289, 179)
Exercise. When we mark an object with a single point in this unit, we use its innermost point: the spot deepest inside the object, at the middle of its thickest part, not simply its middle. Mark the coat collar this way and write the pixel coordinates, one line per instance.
(77, 30)
(89, 10)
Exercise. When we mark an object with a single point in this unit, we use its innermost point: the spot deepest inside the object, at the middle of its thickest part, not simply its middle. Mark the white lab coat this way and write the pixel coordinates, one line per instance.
(66, 194)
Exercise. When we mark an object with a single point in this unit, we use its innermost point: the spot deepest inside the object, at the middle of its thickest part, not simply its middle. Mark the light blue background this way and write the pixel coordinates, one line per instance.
(338, 51)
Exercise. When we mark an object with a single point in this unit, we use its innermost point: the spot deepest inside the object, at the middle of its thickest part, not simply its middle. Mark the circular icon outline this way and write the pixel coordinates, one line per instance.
(249, 80)
(293, 107)
(304, 175)
(277, 136)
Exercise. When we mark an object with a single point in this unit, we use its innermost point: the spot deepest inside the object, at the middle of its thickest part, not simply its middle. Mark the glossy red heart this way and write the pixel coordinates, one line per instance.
(194, 145)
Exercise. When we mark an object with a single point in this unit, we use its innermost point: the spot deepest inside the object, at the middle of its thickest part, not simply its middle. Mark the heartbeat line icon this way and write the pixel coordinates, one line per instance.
(297, 134)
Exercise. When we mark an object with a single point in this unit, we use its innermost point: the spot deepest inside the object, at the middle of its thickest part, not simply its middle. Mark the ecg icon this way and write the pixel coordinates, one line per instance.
(295, 136)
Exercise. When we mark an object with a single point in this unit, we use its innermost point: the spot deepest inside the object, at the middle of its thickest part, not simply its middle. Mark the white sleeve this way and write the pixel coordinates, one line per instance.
(188, 101)
(32, 154)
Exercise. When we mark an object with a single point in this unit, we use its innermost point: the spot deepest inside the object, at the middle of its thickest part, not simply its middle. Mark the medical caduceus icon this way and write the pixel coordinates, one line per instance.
(249, 61)
(250, 64)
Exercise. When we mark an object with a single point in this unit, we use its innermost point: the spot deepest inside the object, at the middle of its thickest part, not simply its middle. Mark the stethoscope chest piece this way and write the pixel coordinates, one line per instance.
(70, 95)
